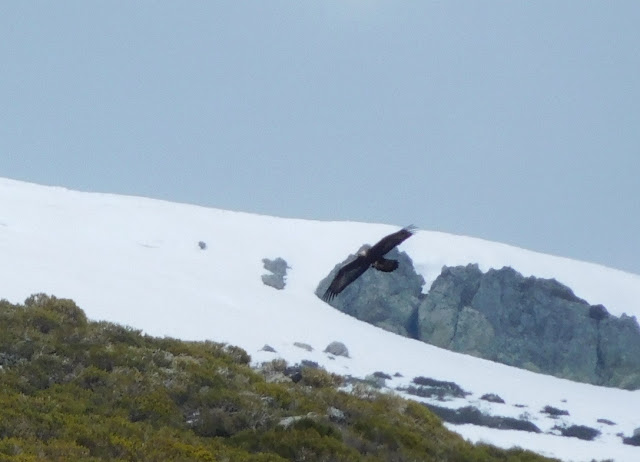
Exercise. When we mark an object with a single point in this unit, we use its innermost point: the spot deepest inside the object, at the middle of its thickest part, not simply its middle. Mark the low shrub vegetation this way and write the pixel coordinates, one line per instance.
(73, 389)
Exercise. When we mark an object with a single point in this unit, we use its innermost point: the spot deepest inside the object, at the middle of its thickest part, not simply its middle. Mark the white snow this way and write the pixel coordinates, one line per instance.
(136, 261)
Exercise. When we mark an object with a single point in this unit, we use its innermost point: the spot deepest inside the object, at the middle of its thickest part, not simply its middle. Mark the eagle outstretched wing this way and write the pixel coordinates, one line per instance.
(346, 275)
(387, 243)
(374, 256)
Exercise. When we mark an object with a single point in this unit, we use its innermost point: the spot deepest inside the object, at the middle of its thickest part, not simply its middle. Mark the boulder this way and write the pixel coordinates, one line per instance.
(337, 349)
(278, 272)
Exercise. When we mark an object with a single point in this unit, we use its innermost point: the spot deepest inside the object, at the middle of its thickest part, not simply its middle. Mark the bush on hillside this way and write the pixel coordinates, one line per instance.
(72, 389)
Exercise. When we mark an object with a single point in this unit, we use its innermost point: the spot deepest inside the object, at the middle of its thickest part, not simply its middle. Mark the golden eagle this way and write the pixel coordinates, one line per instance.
(368, 257)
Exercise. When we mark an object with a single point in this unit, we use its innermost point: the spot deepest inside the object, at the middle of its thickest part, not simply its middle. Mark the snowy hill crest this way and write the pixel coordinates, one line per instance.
(136, 261)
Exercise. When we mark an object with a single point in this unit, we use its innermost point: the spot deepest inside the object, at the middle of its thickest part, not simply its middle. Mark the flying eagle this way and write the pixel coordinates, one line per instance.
(368, 256)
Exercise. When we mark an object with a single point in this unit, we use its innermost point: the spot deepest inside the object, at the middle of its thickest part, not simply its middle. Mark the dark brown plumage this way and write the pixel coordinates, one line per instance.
(368, 257)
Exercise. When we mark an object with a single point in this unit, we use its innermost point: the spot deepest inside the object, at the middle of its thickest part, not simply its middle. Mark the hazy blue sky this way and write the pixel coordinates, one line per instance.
(508, 120)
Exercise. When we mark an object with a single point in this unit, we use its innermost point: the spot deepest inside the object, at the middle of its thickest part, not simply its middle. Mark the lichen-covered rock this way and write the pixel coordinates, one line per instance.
(532, 323)
(618, 353)
(439, 311)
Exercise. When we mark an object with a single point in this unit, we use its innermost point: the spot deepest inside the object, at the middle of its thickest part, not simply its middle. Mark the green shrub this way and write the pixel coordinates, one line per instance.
(71, 389)
(319, 378)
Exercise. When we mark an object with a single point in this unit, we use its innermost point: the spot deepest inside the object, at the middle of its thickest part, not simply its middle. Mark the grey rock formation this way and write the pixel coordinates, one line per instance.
(527, 322)
(532, 323)
(618, 352)
(337, 349)
(386, 300)
(278, 269)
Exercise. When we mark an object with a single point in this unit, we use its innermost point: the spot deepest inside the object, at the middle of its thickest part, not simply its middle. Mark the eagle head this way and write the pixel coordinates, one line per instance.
(364, 250)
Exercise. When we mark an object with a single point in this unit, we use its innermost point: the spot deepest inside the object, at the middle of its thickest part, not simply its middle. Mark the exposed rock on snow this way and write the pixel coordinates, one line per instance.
(337, 349)
(492, 398)
(532, 323)
(278, 269)
(268, 348)
(528, 322)
(304, 346)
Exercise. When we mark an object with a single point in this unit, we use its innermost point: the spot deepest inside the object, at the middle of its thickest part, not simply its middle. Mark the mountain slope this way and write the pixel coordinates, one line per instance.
(136, 261)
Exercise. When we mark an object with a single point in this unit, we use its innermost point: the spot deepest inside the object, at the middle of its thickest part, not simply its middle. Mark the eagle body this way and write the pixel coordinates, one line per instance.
(366, 258)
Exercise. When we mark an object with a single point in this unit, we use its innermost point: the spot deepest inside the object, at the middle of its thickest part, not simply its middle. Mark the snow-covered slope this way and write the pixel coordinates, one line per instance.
(136, 261)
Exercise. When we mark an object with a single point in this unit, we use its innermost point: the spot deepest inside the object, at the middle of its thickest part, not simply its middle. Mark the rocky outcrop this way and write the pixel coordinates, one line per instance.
(619, 352)
(527, 322)
(532, 323)
(386, 300)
